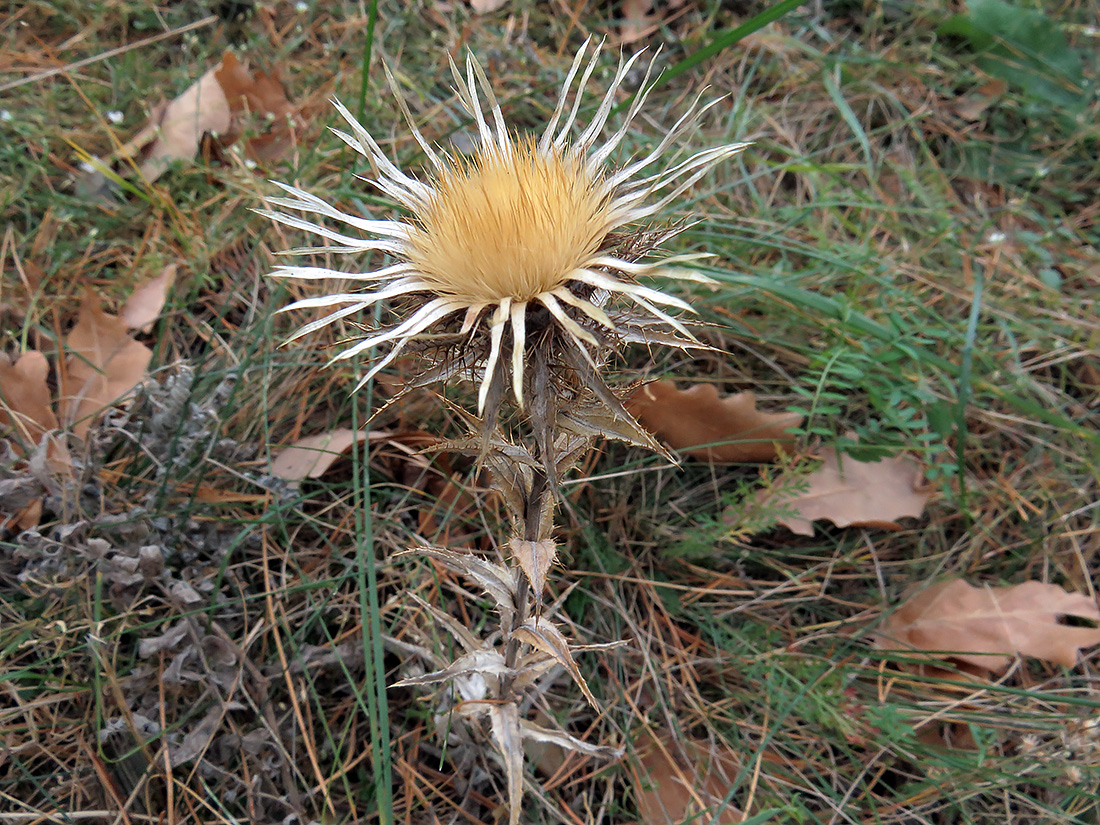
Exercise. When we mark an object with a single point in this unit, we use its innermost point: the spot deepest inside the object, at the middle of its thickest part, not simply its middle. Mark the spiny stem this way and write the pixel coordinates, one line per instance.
(531, 518)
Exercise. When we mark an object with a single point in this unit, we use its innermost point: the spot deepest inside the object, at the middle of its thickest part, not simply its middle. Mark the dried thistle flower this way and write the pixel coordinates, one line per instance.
(524, 237)
(505, 269)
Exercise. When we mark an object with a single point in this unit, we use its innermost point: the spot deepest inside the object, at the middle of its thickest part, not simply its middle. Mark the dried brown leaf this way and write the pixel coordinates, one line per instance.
(855, 493)
(261, 96)
(984, 627)
(176, 133)
(538, 733)
(487, 6)
(680, 779)
(104, 365)
(698, 422)
(598, 421)
(485, 662)
(534, 559)
(143, 306)
(636, 22)
(972, 106)
(25, 407)
(310, 457)
(544, 635)
(217, 104)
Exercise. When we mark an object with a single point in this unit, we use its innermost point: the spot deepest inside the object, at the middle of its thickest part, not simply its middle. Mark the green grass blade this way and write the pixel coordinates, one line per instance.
(723, 40)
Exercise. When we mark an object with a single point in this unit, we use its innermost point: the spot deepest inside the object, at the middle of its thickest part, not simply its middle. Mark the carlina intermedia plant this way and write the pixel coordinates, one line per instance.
(517, 269)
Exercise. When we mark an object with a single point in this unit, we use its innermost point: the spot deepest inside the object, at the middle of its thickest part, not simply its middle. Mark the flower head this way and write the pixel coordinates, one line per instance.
(514, 253)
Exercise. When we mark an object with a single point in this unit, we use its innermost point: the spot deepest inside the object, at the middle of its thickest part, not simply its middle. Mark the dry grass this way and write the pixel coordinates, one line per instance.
(186, 639)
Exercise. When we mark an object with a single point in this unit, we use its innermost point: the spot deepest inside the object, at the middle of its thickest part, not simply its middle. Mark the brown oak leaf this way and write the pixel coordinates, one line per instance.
(174, 133)
(697, 421)
(311, 456)
(853, 493)
(25, 397)
(104, 364)
(143, 306)
(220, 104)
(677, 780)
(983, 628)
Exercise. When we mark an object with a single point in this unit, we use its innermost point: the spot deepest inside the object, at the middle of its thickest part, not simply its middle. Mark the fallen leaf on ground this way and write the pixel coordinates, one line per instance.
(310, 457)
(262, 97)
(219, 103)
(636, 22)
(26, 413)
(25, 397)
(676, 781)
(985, 627)
(972, 106)
(732, 426)
(143, 306)
(487, 6)
(103, 366)
(854, 493)
(175, 134)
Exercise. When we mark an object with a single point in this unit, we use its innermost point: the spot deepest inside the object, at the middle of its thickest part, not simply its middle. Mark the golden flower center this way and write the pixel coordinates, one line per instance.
(508, 227)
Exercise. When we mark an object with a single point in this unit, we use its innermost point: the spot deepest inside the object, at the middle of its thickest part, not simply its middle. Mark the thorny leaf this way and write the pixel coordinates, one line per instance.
(509, 465)
(564, 740)
(857, 493)
(143, 306)
(497, 581)
(680, 779)
(597, 421)
(104, 364)
(572, 448)
(532, 666)
(544, 635)
(310, 457)
(546, 748)
(461, 634)
(732, 426)
(484, 662)
(984, 627)
(534, 559)
(449, 507)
